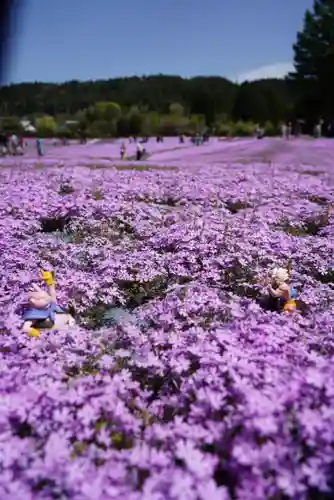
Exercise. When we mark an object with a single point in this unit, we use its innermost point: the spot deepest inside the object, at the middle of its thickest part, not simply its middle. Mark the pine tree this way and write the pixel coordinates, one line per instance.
(314, 59)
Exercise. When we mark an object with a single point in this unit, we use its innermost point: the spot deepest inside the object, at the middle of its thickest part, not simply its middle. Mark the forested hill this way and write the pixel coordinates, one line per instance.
(209, 96)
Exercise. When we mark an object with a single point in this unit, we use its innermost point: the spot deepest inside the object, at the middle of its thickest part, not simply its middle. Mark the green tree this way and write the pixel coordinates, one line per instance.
(313, 78)
(46, 126)
(135, 119)
(123, 127)
(271, 130)
(173, 124)
(196, 124)
(176, 109)
(113, 101)
(108, 111)
(10, 125)
(223, 129)
(155, 92)
(243, 129)
(262, 100)
(152, 123)
(100, 128)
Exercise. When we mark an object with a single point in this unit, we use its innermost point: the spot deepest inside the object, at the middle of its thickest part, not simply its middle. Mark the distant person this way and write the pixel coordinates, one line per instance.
(317, 130)
(297, 129)
(284, 131)
(3, 144)
(123, 151)
(12, 143)
(39, 147)
(20, 146)
(260, 133)
(15, 142)
(139, 153)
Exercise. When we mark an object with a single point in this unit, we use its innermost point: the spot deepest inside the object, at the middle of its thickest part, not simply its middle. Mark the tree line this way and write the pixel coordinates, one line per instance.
(169, 105)
(160, 104)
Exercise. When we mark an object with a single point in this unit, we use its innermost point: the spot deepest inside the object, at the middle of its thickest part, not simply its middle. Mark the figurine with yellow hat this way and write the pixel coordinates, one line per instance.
(43, 311)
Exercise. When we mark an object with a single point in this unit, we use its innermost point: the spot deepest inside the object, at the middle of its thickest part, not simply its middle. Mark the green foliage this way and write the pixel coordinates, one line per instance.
(135, 121)
(171, 105)
(174, 124)
(243, 129)
(176, 110)
(62, 133)
(10, 125)
(101, 128)
(262, 100)
(46, 126)
(196, 124)
(130, 105)
(100, 119)
(271, 130)
(224, 129)
(313, 77)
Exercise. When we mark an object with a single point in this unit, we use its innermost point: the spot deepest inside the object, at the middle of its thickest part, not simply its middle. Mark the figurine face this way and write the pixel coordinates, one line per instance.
(39, 300)
(279, 276)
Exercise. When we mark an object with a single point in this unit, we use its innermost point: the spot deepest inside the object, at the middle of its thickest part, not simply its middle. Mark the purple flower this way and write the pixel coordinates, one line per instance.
(197, 390)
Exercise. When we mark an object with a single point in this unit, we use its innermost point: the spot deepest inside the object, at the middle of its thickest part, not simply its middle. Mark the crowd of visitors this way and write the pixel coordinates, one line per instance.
(14, 145)
(11, 144)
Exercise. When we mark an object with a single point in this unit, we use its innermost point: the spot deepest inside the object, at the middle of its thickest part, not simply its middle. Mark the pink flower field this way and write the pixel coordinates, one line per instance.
(175, 384)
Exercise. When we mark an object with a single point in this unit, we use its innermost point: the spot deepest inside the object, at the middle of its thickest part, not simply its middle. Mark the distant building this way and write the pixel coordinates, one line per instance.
(27, 126)
(68, 125)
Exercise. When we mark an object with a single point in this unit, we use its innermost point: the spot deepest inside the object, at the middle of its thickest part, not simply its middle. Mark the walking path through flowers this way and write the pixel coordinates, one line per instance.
(175, 383)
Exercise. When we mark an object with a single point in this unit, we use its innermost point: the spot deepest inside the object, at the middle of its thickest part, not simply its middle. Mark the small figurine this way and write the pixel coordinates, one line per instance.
(43, 311)
(280, 289)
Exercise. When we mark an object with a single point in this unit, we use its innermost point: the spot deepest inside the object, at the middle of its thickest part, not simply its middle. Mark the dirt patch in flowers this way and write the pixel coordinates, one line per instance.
(166, 201)
(315, 173)
(327, 277)
(234, 206)
(311, 226)
(319, 200)
(136, 293)
(54, 224)
(136, 168)
(240, 280)
(145, 168)
(66, 189)
(113, 229)
(98, 195)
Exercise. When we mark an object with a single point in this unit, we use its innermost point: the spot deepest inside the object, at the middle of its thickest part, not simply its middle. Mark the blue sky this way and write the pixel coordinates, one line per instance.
(91, 39)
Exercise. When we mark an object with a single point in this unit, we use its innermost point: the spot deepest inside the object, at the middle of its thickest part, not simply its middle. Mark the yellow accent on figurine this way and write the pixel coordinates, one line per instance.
(290, 305)
(47, 277)
(34, 332)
